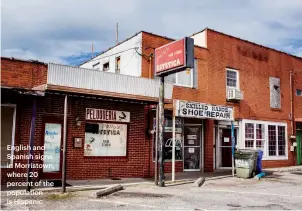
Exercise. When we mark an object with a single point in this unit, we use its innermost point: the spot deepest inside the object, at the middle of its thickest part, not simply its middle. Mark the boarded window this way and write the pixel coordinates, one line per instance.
(275, 92)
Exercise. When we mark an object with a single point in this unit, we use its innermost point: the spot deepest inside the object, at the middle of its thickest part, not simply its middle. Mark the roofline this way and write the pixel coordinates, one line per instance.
(172, 38)
(23, 60)
(125, 41)
(198, 32)
(300, 58)
(157, 35)
(111, 48)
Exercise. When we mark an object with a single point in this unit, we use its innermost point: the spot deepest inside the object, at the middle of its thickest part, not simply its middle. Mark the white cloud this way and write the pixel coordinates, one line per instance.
(49, 30)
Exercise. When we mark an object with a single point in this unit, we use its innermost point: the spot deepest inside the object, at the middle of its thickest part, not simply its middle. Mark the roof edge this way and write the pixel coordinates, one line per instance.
(23, 60)
(269, 48)
(119, 43)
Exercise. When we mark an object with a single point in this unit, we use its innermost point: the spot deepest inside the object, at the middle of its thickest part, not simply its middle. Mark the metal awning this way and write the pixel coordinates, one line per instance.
(64, 78)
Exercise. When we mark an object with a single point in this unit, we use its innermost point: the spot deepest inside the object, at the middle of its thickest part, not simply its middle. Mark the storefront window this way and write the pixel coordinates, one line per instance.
(168, 139)
(272, 144)
(105, 139)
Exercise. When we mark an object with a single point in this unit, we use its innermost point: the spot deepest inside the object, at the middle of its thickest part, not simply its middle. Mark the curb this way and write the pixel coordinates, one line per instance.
(290, 169)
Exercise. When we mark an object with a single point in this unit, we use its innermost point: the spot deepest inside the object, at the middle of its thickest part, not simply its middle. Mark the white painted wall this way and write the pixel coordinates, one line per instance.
(200, 39)
(131, 61)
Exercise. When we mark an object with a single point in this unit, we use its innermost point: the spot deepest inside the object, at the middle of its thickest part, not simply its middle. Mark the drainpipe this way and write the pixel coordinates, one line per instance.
(291, 102)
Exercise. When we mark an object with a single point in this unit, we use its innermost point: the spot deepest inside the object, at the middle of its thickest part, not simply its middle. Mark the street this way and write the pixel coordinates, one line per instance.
(275, 192)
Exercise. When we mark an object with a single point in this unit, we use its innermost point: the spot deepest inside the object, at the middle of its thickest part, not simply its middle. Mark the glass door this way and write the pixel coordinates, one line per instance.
(52, 168)
(192, 149)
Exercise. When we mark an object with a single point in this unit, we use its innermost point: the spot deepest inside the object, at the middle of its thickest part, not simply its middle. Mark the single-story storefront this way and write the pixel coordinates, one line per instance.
(107, 131)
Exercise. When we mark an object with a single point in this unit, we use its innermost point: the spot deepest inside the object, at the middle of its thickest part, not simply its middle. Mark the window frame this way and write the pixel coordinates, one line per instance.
(96, 66)
(13, 133)
(118, 71)
(266, 147)
(191, 79)
(237, 79)
(108, 66)
(299, 91)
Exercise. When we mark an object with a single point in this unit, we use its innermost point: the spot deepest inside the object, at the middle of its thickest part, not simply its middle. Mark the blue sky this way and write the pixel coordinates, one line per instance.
(62, 31)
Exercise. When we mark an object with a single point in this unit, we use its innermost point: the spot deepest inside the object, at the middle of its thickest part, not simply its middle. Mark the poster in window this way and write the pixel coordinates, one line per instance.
(52, 143)
(109, 140)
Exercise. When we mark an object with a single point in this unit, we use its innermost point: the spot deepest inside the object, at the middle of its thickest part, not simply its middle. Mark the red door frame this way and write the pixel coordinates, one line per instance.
(226, 147)
(50, 175)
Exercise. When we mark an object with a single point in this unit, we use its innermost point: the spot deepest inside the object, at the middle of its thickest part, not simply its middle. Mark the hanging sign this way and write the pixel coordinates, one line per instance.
(203, 110)
(174, 57)
(107, 115)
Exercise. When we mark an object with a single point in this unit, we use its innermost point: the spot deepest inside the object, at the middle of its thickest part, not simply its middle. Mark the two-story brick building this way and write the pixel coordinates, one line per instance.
(263, 86)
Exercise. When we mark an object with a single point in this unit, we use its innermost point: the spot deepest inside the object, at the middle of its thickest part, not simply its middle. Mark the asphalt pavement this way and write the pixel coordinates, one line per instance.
(279, 191)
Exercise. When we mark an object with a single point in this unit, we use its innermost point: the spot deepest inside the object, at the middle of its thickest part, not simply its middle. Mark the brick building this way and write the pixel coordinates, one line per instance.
(113, 112)
(261, 84)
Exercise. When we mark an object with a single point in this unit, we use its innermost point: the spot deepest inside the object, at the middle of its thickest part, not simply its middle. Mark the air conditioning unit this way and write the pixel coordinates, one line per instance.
(234, 95)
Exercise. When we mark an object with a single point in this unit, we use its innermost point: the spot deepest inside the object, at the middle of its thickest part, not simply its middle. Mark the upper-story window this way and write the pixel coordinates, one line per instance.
(275, 93)
(96, 66)
(299, 92)
(232, 78)
(106, 66)
(186, 78)
(118, 64)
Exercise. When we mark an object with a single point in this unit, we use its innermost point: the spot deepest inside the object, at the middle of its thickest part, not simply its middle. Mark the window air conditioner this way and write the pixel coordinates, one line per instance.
(234, 95)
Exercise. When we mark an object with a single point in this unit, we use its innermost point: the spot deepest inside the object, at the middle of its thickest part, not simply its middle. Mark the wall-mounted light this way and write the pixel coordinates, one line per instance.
(78, 122)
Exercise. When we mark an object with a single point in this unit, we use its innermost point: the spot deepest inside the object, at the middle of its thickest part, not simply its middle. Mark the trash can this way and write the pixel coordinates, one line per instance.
(259, 162)
(245, 163)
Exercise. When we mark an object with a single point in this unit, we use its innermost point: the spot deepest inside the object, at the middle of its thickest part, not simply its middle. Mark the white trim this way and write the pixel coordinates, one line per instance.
(265, 150)
(13, 131)
(237, 79)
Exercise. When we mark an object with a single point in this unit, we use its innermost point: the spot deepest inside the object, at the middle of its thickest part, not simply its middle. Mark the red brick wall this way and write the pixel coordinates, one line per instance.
(136, 164)
(22, 74)
(297, 99)
(255, 65)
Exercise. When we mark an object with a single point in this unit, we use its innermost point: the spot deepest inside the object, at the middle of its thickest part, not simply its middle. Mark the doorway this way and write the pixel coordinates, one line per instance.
(226, 146)
(299, 147)
(192, 148)
(52, 142)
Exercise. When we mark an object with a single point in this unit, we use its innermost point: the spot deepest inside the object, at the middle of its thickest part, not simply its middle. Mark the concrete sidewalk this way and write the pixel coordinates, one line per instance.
(180, 178)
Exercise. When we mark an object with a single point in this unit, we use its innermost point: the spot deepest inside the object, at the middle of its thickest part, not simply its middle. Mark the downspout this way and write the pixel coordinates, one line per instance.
(291, 102)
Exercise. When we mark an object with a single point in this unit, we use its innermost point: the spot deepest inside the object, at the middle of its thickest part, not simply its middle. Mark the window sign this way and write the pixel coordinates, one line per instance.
(105, 139)
(52, 144)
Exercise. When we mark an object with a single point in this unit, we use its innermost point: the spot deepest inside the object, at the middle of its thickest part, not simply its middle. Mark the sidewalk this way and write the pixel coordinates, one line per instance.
(180, 178)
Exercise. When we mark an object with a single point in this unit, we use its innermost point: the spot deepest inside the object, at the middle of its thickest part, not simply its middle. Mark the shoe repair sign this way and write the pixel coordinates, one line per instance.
(203, 110)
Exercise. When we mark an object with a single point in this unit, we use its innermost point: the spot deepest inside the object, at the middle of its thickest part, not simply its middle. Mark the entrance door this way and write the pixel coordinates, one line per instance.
(299, 147)
(226, 147)
(52, 141)
(192, 142)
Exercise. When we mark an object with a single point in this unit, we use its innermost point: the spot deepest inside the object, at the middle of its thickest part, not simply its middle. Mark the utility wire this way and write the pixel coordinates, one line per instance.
(95, 59)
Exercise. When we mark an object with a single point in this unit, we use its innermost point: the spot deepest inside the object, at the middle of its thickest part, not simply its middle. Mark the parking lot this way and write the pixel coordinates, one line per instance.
(274, 192)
